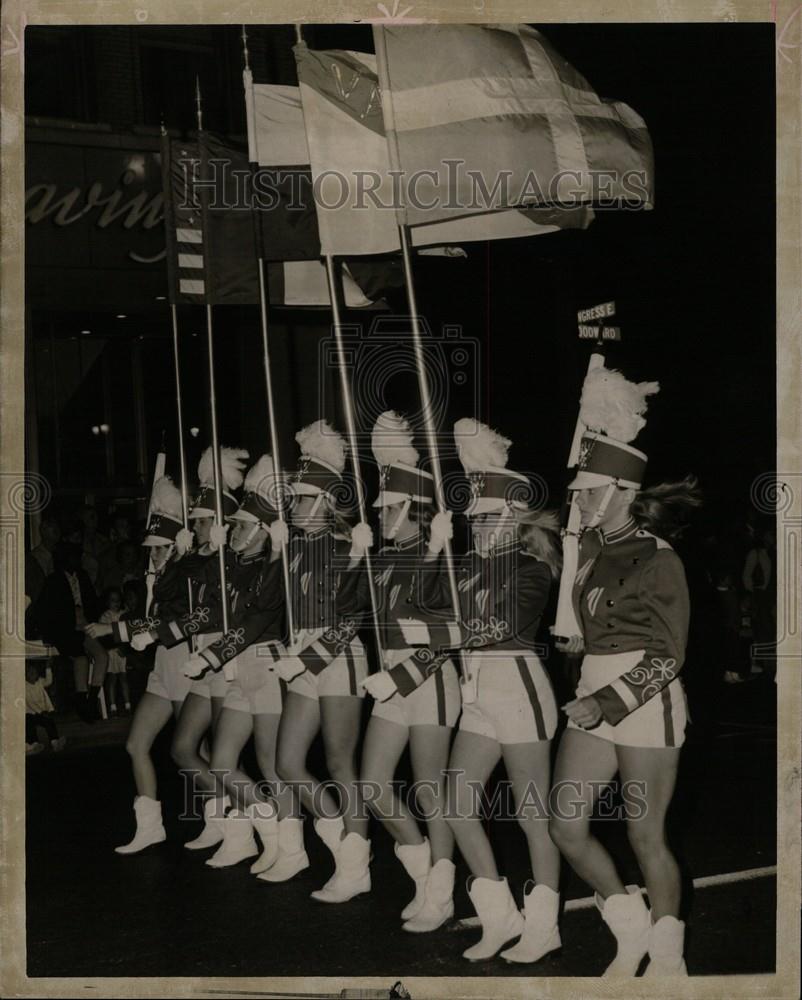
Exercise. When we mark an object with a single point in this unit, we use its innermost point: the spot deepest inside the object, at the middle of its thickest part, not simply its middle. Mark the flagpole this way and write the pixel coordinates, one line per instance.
(352, 440)
(177, 368)
(417, 343)
(228, 670)
(431, 435)
(263, 307)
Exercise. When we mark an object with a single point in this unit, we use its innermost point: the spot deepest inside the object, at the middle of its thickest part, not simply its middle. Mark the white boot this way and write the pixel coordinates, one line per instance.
(214, 811)
(629, 920)
(238, 843)
(292, 857)
(438, 901)
(417, 862)
(330, 832)
(149, 827)
(541, 933)
(665, 948)
(352, 872)
(498, 915)
(264, 817)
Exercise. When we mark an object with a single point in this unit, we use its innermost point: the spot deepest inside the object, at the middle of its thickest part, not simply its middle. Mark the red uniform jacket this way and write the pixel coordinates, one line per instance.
(630, 593)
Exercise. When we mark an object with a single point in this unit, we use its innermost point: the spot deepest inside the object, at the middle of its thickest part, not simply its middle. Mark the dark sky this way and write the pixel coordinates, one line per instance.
(693, 279)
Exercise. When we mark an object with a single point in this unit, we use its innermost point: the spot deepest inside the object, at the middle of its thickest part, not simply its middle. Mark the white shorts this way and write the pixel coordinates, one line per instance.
(436, 702)
(257, 688)
(341, 678)
(659, 722)
(167, 679)
(214, 684)
(514, 698)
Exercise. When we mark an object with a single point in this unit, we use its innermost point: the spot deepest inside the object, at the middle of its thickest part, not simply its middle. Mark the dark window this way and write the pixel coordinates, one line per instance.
(56, 79)
(168, 85)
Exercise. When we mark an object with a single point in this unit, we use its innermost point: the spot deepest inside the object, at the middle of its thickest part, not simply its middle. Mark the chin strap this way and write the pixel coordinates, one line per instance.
(602, 508)
(505, 516)
(399, 520)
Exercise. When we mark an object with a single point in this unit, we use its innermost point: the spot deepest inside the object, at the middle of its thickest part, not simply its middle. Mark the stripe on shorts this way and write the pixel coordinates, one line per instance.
(534, 701)
(440, 688)
(668, 720)
(349, 657)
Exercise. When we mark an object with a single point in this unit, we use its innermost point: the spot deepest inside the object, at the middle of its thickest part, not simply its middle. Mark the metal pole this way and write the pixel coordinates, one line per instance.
(271, 417)
(182, 458)
(352, 440)
(431, 437)
(228, 669)
(218, 493)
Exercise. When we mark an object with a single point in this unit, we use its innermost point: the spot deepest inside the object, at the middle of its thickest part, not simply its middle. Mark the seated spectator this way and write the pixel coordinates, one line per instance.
(760, 583)
(68, 602)
(39, 708)
(50, 536)
(115, 674)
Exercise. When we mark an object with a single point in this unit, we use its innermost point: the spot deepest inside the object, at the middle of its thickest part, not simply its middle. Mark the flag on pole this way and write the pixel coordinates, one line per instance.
(212, 244)
(501, 103)
(182, 222)
(357, 187)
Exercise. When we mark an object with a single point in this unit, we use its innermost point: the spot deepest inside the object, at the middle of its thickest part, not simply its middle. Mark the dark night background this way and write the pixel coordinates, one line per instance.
(693, 279)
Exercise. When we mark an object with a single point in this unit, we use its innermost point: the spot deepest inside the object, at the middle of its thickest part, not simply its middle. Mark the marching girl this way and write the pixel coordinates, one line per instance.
(253, 699)
(631, 601)
(509, 711)
(203, 704)
(324, 670)
(167, 686)
(423, 716)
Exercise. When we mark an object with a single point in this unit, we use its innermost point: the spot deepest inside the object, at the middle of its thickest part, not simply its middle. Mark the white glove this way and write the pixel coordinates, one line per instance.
(141, 641)
(279, 535)
(217, 536)
(440, 532)
(361, 540)
(380, 686)
(183, 541)
(290, 667)
(194, 668)
(416, 633)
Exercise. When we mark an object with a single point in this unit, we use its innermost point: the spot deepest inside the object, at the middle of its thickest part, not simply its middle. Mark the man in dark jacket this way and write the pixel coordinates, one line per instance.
(68, 602)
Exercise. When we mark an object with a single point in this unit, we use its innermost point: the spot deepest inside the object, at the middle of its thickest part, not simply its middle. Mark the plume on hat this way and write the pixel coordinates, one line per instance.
(232, 467)
(260, 478)
(166, 499)
(614, 406)
(321, 441)
(478, 446)
(391, 440)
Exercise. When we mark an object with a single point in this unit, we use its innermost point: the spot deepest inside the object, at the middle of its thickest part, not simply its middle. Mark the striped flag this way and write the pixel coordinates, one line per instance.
(524, 127)
(357, 186)
(212, 243)
(183, 222)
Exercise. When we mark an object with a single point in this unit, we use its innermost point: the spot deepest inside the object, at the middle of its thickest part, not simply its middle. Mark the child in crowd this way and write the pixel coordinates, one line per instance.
(39, 709)
(115, 672)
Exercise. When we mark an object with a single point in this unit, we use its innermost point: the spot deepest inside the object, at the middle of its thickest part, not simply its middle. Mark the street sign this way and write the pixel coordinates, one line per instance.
(603, 311)
(599, 332)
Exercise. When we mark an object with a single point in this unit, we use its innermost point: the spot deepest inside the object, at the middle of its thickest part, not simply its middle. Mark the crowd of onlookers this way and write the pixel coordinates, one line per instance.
(76, 574)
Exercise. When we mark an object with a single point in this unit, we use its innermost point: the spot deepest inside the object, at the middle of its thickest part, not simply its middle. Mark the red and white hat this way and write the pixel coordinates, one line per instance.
(232, 467)
(165, 518)
(262, 499)
(400, 479)
(483, 454)
(612, 409)
(322, 460)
